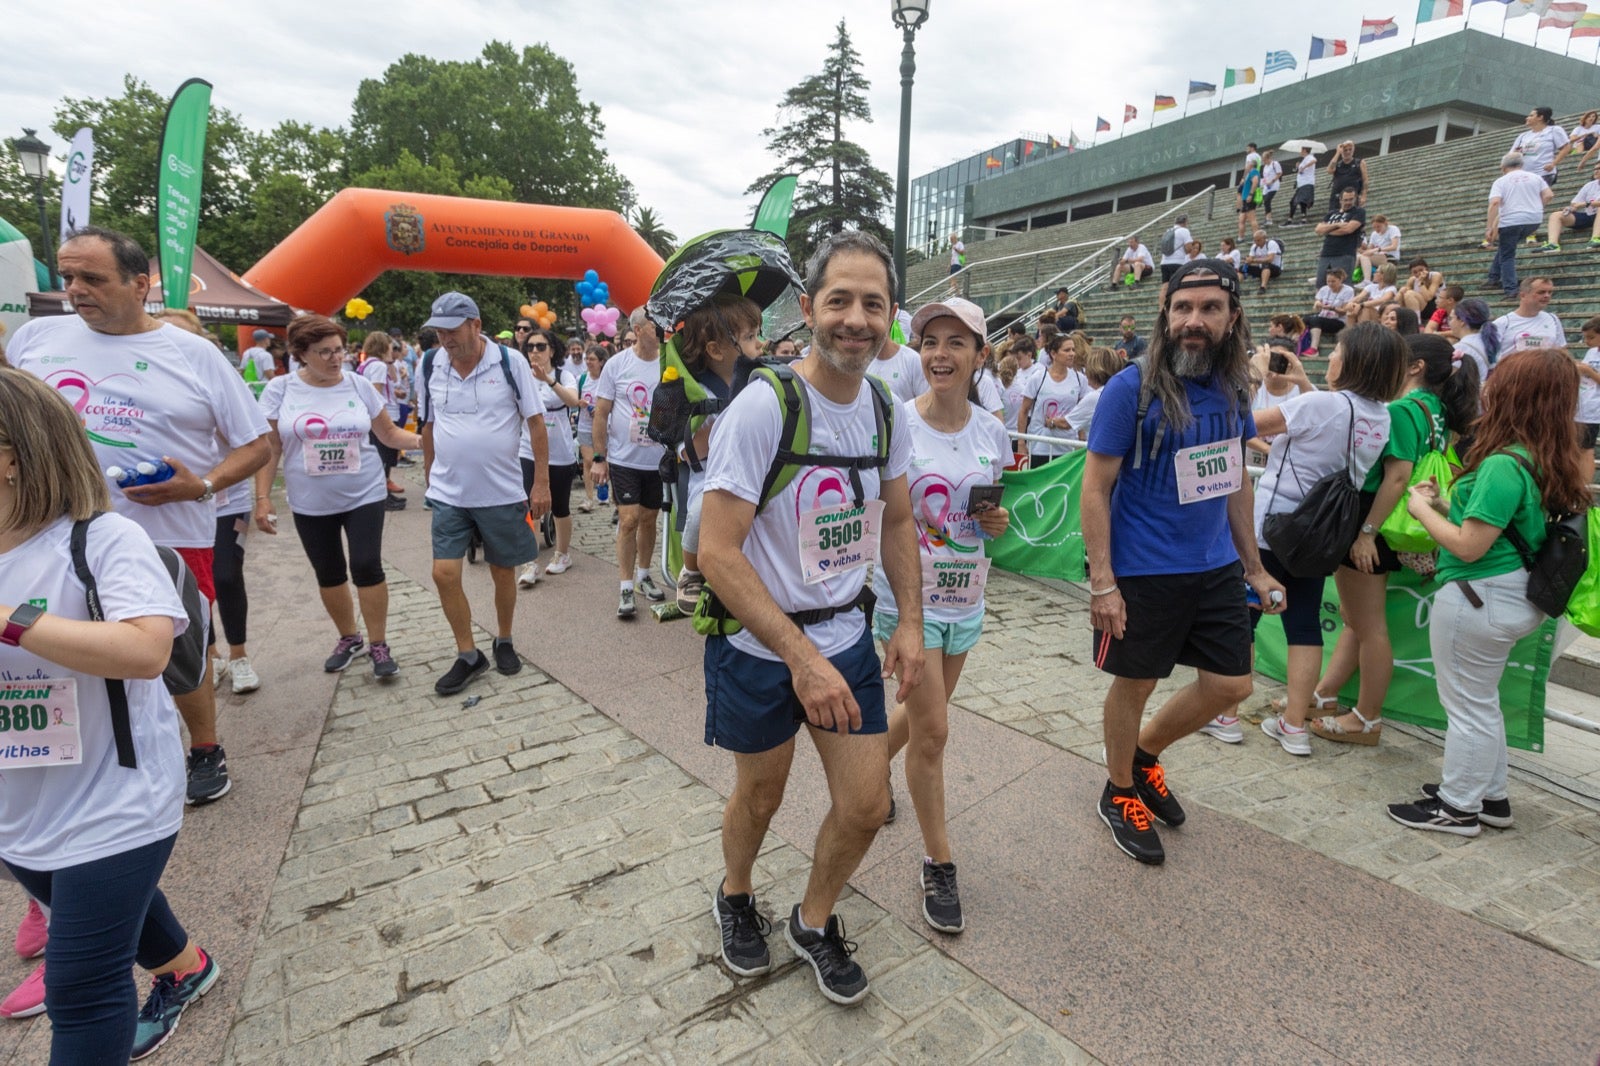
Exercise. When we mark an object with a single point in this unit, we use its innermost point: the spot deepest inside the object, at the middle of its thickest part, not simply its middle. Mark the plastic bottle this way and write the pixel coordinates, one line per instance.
(602, 491)
(152, 472)
(125, 479)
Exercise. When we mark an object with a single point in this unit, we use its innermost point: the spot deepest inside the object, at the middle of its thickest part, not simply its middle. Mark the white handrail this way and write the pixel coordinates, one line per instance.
(912, 299)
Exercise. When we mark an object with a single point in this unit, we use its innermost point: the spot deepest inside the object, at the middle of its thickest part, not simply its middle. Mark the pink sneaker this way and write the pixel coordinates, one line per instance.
(27, 999)
(33, 932)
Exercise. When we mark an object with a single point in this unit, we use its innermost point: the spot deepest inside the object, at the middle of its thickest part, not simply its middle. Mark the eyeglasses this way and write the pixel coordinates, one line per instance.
(326, 353)
(540, 347)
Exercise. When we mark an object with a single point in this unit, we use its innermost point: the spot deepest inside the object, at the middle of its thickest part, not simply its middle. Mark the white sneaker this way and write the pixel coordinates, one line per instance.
(244, 675)
(1295, 743)
(529, 576)
(219, 669)
(559, 565)
(1224, 729)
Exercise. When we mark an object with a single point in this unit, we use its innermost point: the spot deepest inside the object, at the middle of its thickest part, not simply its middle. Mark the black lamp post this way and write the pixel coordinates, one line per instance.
(35, 156)
(909, 15)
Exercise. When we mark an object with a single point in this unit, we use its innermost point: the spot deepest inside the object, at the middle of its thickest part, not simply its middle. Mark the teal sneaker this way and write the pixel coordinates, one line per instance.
(169, 997)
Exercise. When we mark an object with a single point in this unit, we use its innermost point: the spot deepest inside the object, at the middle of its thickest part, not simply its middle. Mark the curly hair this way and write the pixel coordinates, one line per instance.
(1529, 400)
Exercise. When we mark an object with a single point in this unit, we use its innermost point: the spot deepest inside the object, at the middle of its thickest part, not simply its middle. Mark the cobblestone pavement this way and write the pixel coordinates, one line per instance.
(527, 882)
(1540, 881)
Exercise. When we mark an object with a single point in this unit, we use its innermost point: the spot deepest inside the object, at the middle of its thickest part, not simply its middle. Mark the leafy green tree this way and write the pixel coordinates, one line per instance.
(839, 187)
(507, 114)
(657, 236)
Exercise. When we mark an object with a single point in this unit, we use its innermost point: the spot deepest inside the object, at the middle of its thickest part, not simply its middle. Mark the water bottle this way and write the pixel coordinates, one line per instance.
(602, 491)
(153, 472)
(125, 479)
(1254, 600)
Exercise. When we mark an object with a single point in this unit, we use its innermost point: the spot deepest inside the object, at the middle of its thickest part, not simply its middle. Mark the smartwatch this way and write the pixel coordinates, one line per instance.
(599, 458)
(209, 494)
(20, 622)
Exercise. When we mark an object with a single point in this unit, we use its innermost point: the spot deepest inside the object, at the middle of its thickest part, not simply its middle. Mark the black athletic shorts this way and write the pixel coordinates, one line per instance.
(1197, 620)
(1167, 270)
(636, 488)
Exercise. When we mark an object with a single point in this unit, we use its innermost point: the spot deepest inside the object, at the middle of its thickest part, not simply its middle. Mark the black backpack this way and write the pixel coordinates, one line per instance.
(1555, 569)
(185, 669)
(427, 372)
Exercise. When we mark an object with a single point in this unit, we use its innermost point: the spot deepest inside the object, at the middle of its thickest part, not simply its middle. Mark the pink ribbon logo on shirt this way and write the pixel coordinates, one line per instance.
(942, 521)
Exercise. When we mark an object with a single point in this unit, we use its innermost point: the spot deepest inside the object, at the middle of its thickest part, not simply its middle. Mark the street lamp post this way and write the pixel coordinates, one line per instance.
(909, 15)
(35, 156)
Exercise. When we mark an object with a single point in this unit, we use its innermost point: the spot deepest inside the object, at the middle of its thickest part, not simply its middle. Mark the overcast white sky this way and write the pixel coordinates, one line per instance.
(686, 86)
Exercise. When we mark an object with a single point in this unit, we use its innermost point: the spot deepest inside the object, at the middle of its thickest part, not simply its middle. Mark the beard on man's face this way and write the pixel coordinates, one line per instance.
(1194, 354)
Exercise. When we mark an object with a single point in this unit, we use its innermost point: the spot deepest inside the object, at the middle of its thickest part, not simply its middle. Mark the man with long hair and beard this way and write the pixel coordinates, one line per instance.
(1167, 527)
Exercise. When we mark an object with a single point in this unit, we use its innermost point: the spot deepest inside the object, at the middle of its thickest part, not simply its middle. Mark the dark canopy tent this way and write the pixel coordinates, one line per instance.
(216, 295)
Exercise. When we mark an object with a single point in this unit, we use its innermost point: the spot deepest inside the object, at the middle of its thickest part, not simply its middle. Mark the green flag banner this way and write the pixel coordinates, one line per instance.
(1412, 695)
(183, 150)
(1045, 538)
(773, 213)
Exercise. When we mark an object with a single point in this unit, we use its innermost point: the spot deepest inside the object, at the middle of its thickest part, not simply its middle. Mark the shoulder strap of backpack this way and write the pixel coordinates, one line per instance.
(1518, 541)
(1435, 432)
(116, 692)
(1142, 364)
(505, 368)
(794, 438)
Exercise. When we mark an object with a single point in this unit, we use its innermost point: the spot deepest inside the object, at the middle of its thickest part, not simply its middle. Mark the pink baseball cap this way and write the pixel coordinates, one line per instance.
(969, 314)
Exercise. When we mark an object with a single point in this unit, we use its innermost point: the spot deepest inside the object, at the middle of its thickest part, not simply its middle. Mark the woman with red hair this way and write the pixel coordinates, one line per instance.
(1523, 465)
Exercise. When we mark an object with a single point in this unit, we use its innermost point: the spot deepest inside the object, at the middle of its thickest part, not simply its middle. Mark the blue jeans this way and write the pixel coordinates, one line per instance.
(105, 915)
(1503, 267)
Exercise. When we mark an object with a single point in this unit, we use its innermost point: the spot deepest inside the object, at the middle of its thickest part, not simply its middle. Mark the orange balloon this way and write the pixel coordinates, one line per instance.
(527, 311)
(541, 309)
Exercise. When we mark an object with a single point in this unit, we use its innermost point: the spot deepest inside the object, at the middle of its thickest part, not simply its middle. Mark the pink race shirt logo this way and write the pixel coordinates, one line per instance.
(941, 512)
(110, 415)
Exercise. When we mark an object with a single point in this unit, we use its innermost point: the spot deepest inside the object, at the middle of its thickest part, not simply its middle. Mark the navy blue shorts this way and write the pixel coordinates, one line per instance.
(750, 701)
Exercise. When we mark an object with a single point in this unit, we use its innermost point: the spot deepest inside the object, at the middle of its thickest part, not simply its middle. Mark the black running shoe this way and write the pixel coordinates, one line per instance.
(1436, 816)
(460, 674)
(744, 933)
(208, 775)
(1129, 821)
(506, 659)
(828, 952)
(1495, 813)
(941, 903)
(1151, 784)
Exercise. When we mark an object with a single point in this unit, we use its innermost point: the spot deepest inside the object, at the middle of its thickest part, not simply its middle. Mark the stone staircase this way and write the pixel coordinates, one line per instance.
(1437, 195)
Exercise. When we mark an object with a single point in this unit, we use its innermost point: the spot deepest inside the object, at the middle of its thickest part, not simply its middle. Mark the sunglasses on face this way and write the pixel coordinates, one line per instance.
(524, 329)
(540, 347)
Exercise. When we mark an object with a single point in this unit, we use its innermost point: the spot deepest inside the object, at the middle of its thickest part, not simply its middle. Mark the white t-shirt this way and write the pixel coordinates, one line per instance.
(1587, 197)
(1521, 195)
(1539, 147)
(478, 425)
(1337, 300)
(1472, 347)
(1376, 294)
(144, 396)
(1233, 258)
(1181, 237)
(1543, 330)
(1305, 171)
(1271, 248)
(630, 384)
(989, 397)
(379, 373)
(1578, 133)
(742, 448)
(1083, 413)
(314, 417)
(956, 251)
(1054, 399)
(944, 467)
(1141, 254)
(58, 816)
(587, 388)
(1376, 241)
(1588, 391)
(1317, 427)
(557, 424)
(1011, 396)
(902, 372)
(1264, 399)
(1271, 174)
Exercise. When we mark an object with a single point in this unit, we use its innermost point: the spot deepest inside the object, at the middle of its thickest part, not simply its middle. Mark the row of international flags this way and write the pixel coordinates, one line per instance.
(1574, 17)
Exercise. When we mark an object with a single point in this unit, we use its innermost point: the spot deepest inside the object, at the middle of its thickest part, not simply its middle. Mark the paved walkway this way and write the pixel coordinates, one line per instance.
(527, 879)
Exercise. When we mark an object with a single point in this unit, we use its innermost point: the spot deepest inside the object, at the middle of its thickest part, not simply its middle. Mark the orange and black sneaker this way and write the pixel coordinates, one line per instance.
(1131, 825)
(1151, 784)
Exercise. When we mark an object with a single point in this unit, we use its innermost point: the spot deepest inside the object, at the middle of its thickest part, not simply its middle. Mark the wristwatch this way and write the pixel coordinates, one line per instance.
(1368, 528)
(206, 496)
(599, 458)
(20, 622)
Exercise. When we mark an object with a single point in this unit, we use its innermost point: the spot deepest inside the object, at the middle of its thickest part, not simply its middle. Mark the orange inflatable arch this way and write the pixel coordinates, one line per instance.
(360, 233)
